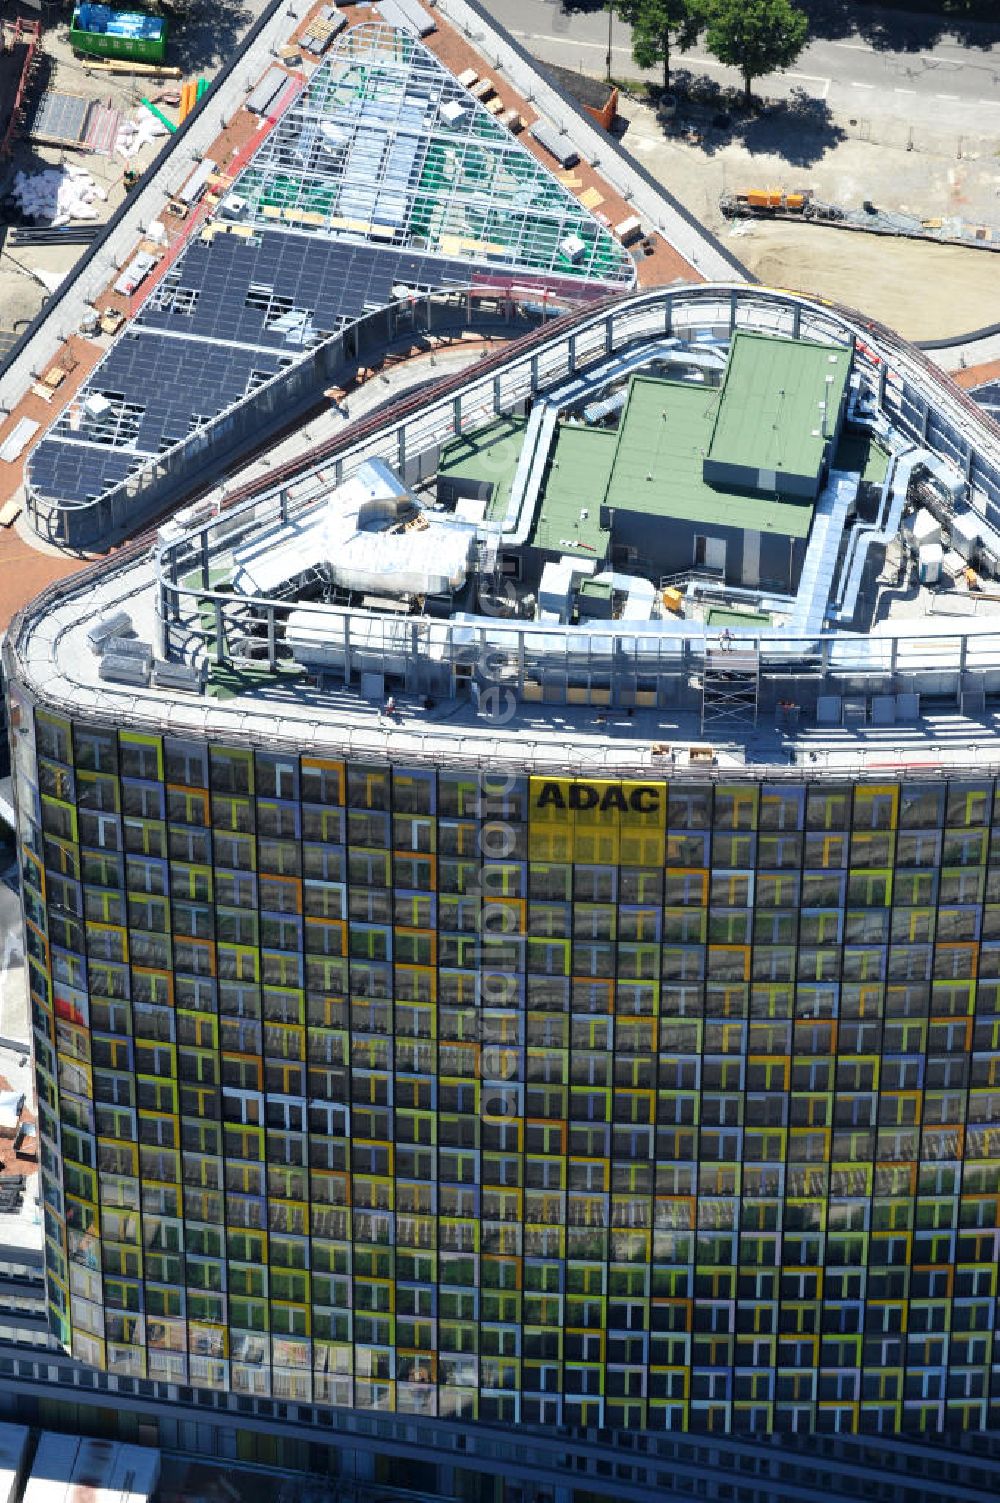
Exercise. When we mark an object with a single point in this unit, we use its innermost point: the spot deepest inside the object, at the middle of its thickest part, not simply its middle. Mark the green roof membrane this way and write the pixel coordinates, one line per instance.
(568, 517)
(779, 408)
(489, 454)
(663, 437)
(861, 451)
(719, 616)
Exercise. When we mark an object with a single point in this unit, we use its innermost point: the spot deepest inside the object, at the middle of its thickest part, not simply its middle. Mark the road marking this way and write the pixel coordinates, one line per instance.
(708, 62)
(563, 41)
(712, 62)
(702, 62)
(928, 57)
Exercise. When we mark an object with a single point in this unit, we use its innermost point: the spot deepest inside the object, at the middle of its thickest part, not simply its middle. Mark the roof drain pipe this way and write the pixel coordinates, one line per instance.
(529, 474)
(896, 489)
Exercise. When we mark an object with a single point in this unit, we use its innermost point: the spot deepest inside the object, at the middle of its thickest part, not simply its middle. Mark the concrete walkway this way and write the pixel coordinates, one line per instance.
(378, 391)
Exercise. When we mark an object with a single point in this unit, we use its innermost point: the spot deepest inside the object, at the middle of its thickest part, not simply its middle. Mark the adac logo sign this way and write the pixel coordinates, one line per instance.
(577, 797)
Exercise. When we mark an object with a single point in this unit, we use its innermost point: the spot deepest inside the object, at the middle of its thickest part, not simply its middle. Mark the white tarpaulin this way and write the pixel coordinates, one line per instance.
(370, 535)
(59, 194)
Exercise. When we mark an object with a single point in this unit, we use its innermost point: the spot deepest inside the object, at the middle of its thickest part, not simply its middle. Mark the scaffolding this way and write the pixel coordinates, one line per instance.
(20, 47)
(385, 144)
(730, 689)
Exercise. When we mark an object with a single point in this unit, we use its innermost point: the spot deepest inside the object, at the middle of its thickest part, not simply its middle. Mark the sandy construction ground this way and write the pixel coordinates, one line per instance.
(924, 290)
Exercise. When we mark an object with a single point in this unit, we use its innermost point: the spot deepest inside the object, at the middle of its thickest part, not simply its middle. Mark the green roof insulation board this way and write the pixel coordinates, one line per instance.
(663, 437)
(861, 451)
(718, 616)
(489, 454)
(568, 517)
(779, 408)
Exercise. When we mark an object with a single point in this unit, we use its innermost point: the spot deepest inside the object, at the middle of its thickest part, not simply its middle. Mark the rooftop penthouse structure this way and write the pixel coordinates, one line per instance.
(602, 1033)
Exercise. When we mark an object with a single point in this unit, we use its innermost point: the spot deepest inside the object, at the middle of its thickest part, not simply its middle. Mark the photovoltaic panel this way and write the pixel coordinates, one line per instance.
(362, 185)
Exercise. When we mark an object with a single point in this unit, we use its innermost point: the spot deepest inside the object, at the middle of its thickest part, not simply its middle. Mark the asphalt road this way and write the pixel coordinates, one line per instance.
(954, 85)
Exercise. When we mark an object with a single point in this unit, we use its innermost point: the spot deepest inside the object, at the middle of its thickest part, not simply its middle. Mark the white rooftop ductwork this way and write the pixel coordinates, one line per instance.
(370, 536)
(639, 595)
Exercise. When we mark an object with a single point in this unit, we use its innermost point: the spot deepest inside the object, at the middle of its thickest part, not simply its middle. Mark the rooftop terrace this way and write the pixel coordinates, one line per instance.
(620, 693)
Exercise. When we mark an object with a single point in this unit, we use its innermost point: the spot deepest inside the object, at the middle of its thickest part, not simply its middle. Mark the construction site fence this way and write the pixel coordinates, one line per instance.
(28, 34)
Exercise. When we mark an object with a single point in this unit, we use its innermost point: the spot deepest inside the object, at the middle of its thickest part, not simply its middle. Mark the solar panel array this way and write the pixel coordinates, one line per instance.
(988, 395)
(281, 290)
(264, 281)
(386, 143)
(229, 315)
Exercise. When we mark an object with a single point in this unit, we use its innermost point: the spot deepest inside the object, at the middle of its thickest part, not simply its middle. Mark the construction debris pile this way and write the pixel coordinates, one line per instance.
(58, 195)
(803, 205)
(135, 134)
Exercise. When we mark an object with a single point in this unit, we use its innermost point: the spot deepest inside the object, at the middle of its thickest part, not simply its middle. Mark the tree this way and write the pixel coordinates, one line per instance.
(659, 26)
(755, 36)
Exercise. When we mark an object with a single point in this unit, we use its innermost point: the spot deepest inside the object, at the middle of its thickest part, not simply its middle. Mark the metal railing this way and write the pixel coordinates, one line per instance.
(410, 438)
(199, 459)
(643, 1461)
(616, 656)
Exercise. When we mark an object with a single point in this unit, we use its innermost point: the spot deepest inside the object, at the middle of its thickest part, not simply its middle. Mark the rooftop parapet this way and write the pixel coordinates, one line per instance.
(652, 669)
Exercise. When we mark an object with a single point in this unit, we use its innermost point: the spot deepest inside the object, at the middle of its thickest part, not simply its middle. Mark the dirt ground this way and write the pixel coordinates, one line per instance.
(922, 289)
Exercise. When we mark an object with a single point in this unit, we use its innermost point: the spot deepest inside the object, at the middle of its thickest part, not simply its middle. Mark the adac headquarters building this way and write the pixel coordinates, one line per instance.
(512, 896)
(607, 1035)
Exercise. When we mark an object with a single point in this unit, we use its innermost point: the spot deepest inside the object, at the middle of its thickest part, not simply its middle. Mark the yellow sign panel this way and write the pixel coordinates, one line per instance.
(597, 821)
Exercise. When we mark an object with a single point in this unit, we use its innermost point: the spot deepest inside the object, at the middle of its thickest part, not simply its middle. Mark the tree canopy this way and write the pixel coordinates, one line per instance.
(756, 36)
(659, 28)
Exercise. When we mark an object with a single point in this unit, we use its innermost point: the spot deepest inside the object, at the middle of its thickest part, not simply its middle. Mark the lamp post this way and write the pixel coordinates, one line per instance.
(611, 16)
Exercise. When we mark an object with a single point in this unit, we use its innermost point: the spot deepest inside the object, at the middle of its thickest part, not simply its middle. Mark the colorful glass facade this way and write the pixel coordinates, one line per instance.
(636, 1105)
